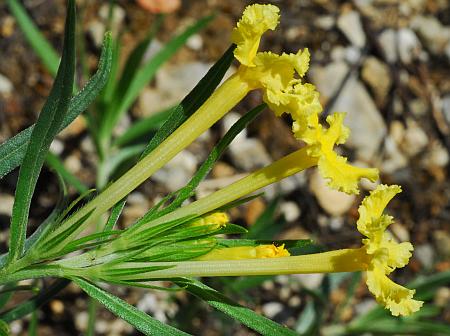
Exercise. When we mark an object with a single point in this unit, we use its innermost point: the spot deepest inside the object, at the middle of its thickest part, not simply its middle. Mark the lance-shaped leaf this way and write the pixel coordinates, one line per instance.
(138, 319)
(13, 151)
(49, 122)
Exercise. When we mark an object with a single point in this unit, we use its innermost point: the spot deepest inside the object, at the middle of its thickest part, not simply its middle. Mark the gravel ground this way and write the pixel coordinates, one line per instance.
(385, 63)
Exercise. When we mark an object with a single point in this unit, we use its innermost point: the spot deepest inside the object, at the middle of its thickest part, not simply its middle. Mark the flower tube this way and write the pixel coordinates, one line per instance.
(379, 256)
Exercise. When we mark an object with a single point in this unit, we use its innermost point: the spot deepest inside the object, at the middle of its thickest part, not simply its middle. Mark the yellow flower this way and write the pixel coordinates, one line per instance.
(385, 255)
(217, 219)
(255, 20)
(340, 174)
(246, 252)
(278, 75)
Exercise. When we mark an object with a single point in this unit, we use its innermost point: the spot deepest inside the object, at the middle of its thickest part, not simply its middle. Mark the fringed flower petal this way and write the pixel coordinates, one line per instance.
(385, 254)
(398, 299)
(341, 176)
(372, 207)
(255, 20)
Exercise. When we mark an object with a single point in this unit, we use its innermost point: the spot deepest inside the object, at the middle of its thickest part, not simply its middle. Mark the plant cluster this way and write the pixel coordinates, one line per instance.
(175, 241)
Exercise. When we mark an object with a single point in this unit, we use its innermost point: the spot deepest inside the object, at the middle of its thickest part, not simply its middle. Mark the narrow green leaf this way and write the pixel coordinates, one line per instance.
(254, 321)
(215, 154)
(81, 242)
(55, 163)
(49, 122)
(107, 93)
(141, 321)
(193, 100)
(4, 328)
(37, 41)
(35, 302)
(13, 151)
(6, 293)
(123, 100)
(33, 326)
(114, 216)
(52, 243)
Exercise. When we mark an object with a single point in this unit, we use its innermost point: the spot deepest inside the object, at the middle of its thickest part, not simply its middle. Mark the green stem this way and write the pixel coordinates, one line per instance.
(286, 166)
(33, 273)
(220, 102)
(346, 260)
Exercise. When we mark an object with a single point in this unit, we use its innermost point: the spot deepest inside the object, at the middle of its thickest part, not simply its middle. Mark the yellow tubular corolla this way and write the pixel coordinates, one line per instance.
(321, 142)
(384, 253)
(216, 219)
(246, 252)
(255, 21)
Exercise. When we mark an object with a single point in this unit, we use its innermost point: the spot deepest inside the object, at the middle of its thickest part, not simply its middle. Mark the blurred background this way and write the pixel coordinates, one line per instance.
(385, 63)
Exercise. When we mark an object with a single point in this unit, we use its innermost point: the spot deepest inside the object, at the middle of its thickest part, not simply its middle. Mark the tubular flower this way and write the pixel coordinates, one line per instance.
(278, 75)
(255, 21)
(246, 252)
(385, 255)
(341, 175)
(217, 219)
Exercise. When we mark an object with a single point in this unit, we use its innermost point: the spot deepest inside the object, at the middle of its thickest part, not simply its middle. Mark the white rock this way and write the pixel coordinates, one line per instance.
(387, 40)
(173, 83)
(195, 42)
(333, 202)
(290, 210)
(336, 223)
(177, 172)
(435, 35)
(363, 118)
(249, 154)
(329, 78)
(394, 159)
(16, 327)
(271, 309)
(309, 281)
(57, 147)
(81, 320)
(6, 87)
(436, 156)
(377, 75)
(350, 24)
(409, 46)
(96, 29)
(400, 231)
(352, 54)
(415, 138)
(6, 204)
(425, 254)
(101, 326)
(337, 55)
(325, 22)
(419, 107)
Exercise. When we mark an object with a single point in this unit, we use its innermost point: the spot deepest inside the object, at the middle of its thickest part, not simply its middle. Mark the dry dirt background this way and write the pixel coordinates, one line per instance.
(385, 63)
